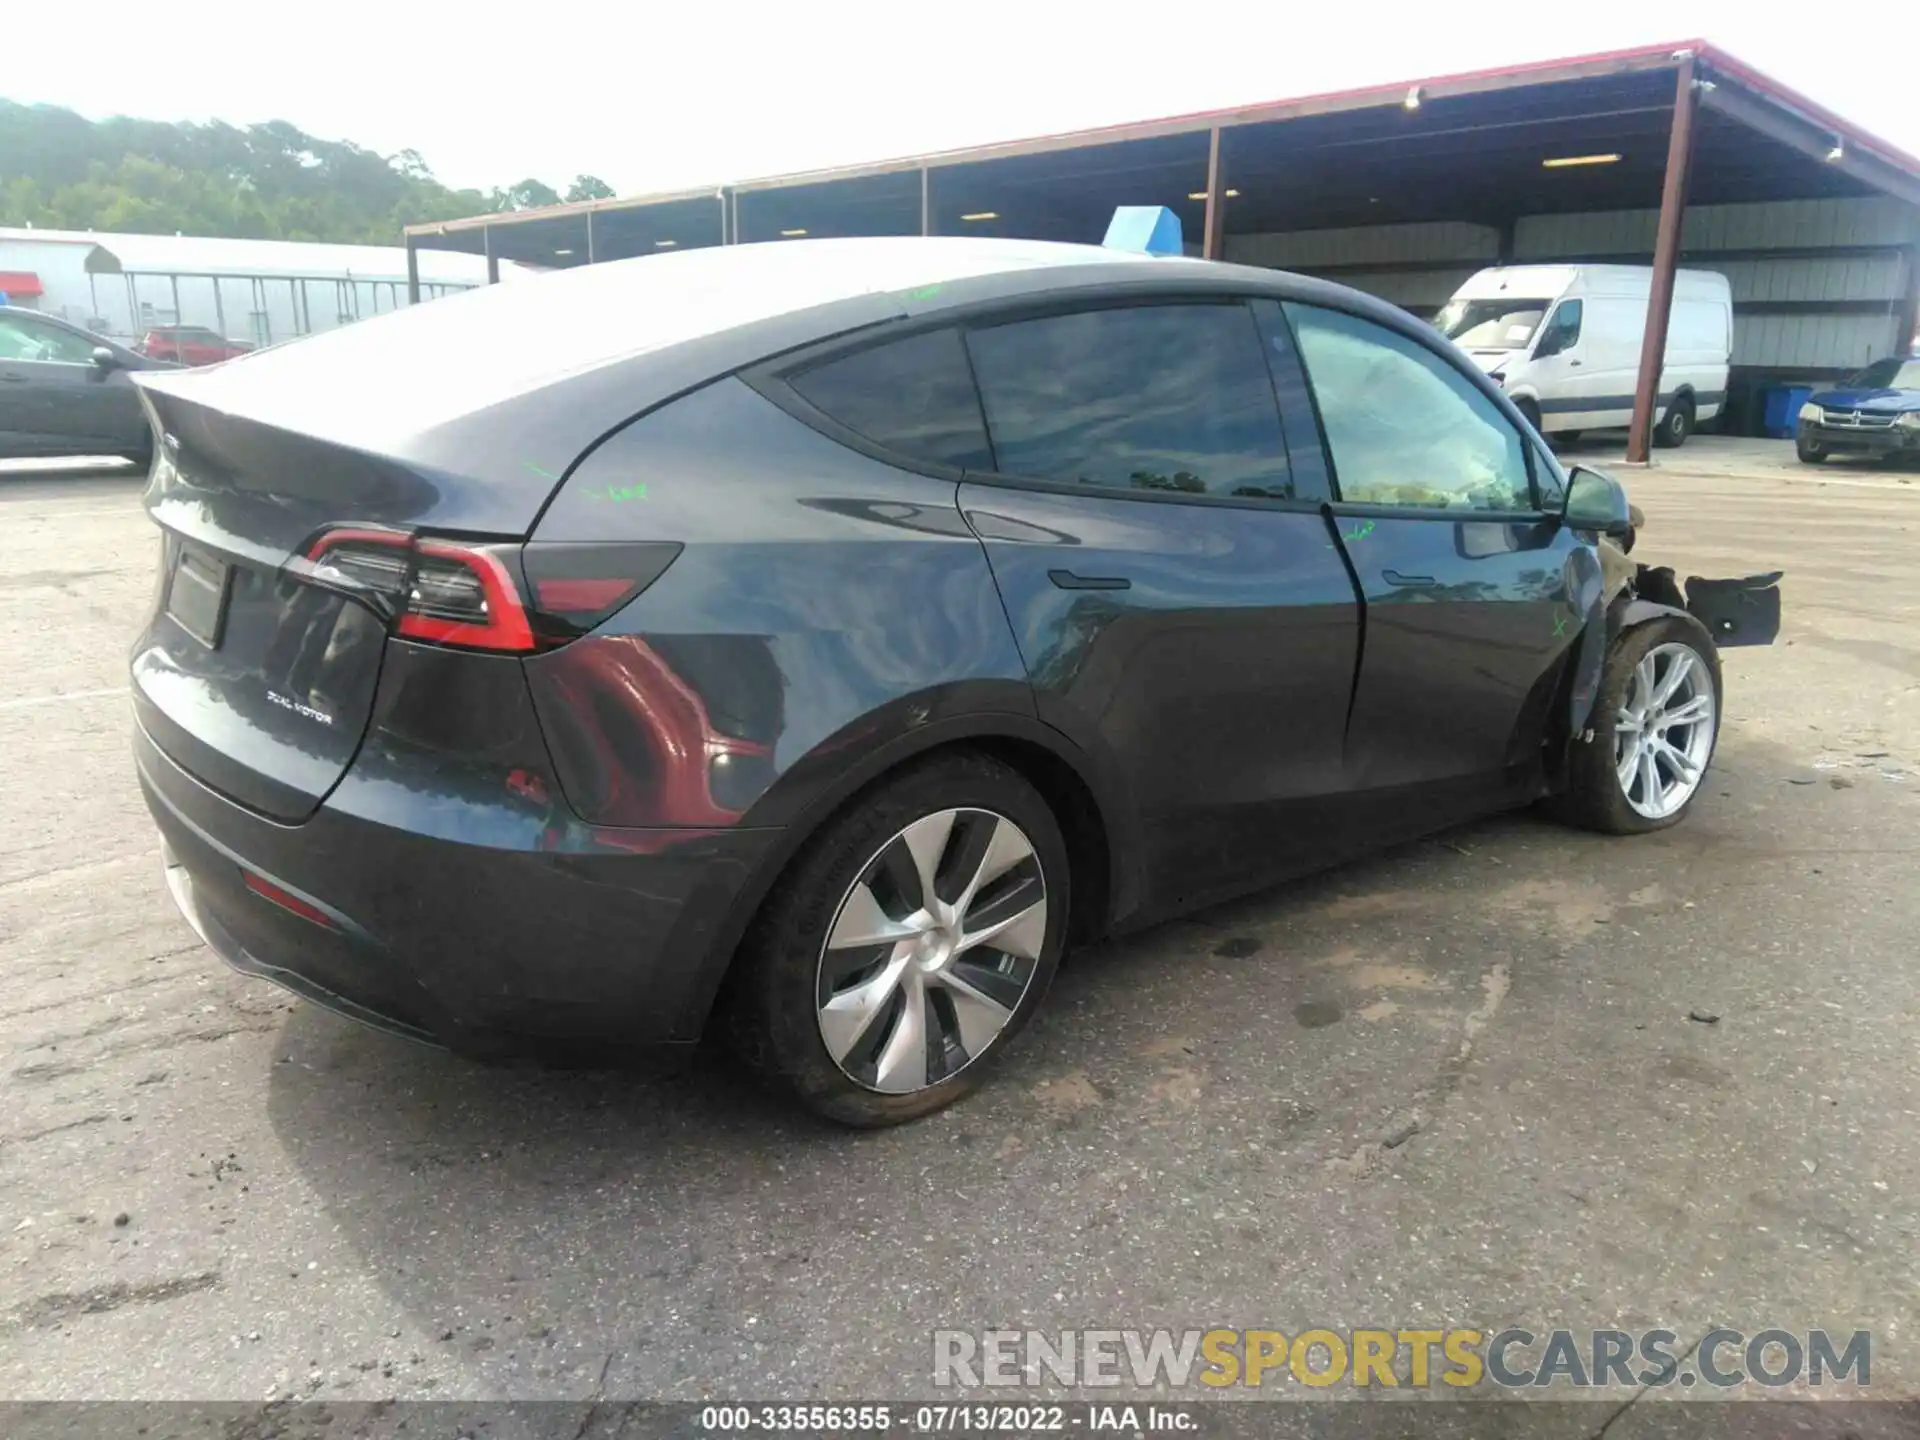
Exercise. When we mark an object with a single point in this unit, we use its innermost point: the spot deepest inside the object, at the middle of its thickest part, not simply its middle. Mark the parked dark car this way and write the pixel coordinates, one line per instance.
(65, 391)
(818, 638)
(190, 345)
(1876, 414)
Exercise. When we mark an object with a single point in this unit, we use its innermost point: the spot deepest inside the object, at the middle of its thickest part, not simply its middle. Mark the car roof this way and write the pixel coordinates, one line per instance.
(527, 372)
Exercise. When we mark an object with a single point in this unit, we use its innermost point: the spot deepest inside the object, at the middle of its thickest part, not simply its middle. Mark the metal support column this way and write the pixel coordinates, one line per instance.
(733, 216)
(1212, 241)
(926, 201)
(1504, 242)
(174, 282)
(493, 260)
(1907, 340)
(413, 271)
(590, 237)
(1666, 259)
(219, 309)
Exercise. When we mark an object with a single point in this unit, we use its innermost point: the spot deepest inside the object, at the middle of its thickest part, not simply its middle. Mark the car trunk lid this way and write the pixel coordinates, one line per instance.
(257, 670)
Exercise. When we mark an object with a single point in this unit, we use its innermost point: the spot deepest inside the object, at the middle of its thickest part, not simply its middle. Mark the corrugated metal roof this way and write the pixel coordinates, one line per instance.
(1544, 72)
(267, 259)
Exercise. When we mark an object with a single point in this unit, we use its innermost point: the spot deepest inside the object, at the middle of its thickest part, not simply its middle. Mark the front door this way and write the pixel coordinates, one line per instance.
(54, 399)
(1465, 578)
(1181, 605)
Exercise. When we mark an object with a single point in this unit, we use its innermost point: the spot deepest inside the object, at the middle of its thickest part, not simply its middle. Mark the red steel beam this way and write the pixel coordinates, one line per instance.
(1666, 260)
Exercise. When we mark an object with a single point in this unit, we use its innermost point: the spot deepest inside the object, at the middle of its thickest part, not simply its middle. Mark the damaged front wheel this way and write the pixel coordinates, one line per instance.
(1653, 733)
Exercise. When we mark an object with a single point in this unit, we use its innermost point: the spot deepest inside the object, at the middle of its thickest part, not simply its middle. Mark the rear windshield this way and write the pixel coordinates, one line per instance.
(1502, 324)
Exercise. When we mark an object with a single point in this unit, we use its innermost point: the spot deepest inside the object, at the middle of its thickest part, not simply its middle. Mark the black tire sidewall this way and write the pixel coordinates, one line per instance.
(1809, 454)
(771, 1001)
(1676, 426)
(1594, 798)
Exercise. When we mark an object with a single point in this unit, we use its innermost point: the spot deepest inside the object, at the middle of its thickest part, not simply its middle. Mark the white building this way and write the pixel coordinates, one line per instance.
(259, 290)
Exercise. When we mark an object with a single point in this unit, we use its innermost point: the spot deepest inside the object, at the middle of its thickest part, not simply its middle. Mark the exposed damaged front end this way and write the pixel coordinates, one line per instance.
(1742, 611)
(1627, 594)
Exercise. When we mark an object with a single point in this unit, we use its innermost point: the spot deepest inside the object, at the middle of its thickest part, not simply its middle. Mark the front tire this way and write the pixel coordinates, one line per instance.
(1654, 728)
(1676, 425)
(912, 942)
(1530, 411)
(1810, 454)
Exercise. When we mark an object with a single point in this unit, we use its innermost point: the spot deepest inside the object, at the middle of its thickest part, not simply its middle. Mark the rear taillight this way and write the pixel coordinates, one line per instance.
(576, 586)
(440, 590)
(449, 592)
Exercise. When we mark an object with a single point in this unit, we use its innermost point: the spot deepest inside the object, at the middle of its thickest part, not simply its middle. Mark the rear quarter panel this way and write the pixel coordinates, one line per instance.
(826, 607)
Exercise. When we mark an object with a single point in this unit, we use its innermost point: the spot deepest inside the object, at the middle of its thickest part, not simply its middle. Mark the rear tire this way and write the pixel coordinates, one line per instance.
(1676, 425)
(919, 1014)
(1660, 790)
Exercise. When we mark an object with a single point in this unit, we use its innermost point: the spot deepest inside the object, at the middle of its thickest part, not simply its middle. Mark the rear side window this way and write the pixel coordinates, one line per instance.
(914, 396)
(1405, 427)
(1156, 397)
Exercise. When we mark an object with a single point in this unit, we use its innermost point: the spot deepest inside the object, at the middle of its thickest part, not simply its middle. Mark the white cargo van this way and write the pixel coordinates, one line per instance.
(1564, 342)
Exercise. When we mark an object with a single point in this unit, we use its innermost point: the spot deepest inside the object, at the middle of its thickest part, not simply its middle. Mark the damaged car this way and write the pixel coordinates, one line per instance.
(806, 644)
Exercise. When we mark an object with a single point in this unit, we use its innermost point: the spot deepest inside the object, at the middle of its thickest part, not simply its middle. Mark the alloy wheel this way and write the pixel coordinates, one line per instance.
(932, 950)
(1664, 734)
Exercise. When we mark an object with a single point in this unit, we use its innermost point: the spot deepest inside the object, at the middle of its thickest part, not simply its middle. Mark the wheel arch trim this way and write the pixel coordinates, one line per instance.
(869, 769)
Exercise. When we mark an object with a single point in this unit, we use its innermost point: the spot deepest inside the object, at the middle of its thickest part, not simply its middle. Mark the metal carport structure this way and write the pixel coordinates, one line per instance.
(1486, 166)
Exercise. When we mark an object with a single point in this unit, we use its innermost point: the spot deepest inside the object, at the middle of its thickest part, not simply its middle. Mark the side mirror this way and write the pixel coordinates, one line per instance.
(1597, 502)
(104, 359)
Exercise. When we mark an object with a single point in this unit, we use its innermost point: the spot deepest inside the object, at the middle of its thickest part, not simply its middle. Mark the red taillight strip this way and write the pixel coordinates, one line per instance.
(507, 627)
(564, 595)
(346, 534)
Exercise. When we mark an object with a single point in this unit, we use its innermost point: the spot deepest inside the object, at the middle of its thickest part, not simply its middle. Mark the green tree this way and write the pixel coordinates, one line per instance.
(588, 187)
(270, 181)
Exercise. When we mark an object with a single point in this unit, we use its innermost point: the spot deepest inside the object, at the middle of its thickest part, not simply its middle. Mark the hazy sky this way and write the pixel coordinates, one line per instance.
(677, 93)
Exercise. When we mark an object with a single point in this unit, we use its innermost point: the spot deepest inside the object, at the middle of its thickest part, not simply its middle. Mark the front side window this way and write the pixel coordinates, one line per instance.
(1170, 398)
(1403, 426)
(914, 396)
(1563, 330)
(24, 338)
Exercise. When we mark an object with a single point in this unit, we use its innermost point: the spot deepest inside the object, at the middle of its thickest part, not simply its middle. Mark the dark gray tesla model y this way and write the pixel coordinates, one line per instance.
(809, 641)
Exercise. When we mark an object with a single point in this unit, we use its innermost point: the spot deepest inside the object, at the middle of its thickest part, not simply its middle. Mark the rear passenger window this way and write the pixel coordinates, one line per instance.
(1153, 397)
(914, 396)
(1403, 425)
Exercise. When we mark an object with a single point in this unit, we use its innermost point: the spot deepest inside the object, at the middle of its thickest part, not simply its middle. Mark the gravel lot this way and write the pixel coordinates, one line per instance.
(209, 1190)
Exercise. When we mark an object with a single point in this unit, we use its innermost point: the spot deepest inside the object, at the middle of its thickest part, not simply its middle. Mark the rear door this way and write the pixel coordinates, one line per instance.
(1171, 579)
(1464, 572)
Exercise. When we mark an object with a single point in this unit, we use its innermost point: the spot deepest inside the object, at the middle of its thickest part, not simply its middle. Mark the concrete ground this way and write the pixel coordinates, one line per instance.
(1457, 1084)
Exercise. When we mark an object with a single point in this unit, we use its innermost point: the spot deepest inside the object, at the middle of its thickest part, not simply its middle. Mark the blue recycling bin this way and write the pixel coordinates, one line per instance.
(1783, 409)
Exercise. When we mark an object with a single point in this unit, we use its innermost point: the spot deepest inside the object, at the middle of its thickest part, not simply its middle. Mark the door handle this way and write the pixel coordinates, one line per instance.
(13, 377)
(1574, 364)
(1409, 582)
(1067, 580)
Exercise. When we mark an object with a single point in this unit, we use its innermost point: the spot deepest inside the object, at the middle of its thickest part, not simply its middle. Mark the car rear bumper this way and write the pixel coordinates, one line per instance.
(575, 941)
(1895, 441)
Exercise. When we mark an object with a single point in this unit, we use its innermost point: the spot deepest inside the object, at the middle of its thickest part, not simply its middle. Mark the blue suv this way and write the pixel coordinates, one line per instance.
(1875, 413)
